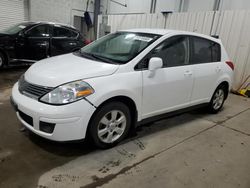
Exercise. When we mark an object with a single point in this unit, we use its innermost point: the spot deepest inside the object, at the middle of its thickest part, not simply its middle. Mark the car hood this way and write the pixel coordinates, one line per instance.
(58, 70)
(3, 34)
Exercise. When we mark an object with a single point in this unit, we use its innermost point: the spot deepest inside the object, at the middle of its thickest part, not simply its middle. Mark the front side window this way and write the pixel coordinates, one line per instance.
(173, 52)
(204, 51)
(39, 31)
(120, 47)
(63, 32)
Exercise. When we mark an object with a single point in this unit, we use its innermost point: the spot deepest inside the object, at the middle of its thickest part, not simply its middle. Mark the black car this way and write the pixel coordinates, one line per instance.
(32, 41)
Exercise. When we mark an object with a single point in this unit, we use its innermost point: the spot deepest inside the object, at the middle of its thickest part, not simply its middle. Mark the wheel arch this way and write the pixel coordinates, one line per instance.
(129, 102)
(5, 56)
(226, 85)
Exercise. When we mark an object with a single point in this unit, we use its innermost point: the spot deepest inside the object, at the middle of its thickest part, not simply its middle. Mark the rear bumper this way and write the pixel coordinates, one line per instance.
(70, 121)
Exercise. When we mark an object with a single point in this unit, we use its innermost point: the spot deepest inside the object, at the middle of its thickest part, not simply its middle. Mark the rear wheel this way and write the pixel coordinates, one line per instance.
(217, 100)
(2, 60)
(110, 124)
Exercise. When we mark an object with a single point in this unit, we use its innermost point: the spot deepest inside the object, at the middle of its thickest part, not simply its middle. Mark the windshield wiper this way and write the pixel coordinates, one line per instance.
(84, 54)
(97, 57)
(101, 58)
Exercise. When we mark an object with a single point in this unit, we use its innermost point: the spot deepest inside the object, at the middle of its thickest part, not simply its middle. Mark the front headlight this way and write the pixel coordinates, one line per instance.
(68, 93)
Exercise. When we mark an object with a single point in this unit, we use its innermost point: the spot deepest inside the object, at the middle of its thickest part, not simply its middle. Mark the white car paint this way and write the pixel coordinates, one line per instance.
(169, 89)
(66, 66)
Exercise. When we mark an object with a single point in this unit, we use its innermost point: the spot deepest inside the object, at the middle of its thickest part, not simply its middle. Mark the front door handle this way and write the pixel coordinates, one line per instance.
(188, 73)
(42, 44)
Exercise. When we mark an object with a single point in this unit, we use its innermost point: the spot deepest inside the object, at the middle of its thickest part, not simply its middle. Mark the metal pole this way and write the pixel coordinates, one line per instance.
(96, 13)
(153, 6)
(180, 6)
(215, 9)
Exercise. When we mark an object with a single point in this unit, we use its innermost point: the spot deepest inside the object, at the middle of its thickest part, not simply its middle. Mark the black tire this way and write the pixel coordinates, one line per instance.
(2, 60)
(212, 107)
(105, 112)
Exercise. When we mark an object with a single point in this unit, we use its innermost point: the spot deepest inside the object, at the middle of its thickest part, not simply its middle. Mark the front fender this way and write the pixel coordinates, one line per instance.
(123, 84)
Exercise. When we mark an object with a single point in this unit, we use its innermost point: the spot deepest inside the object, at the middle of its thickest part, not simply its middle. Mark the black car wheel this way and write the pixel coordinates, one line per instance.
(110, 125)
(2, 60)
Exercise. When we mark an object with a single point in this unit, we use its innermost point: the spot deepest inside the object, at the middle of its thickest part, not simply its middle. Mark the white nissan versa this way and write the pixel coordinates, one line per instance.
(122, 80)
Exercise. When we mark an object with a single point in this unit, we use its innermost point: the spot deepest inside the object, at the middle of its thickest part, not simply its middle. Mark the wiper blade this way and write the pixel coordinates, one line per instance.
(89, 56)
(97, 57)
(107, 60)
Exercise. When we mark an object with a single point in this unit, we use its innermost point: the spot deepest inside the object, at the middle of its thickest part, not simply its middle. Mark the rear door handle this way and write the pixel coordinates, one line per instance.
(188, 73)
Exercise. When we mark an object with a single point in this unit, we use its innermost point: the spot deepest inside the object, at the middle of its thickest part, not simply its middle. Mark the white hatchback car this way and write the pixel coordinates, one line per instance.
(122, 80)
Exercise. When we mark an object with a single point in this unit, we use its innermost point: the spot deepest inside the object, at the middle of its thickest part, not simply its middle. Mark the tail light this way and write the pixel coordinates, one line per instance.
(230, 64)
(87, 41)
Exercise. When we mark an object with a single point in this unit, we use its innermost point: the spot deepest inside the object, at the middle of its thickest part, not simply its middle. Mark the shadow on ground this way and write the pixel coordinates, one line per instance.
(8, 76)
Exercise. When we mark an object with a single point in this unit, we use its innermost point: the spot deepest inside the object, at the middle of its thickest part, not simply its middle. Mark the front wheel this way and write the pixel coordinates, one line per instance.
(217, 100)
(110, 124)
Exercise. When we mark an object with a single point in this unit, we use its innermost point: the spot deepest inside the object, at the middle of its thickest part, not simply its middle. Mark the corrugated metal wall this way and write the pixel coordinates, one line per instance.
(233, 27)
(12, 12)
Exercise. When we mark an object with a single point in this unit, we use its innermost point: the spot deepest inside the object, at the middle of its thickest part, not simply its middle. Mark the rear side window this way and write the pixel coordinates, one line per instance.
(63, 32)
(204, 51)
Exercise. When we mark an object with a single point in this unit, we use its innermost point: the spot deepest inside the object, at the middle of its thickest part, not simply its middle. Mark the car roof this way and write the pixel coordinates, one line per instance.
(51, 23)
(169, 31)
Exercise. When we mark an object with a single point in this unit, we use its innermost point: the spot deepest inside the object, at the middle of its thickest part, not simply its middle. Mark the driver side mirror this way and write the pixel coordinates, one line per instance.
(154, 64)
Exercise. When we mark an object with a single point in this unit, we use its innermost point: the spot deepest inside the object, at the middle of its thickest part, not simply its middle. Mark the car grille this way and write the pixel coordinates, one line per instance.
(32, 90)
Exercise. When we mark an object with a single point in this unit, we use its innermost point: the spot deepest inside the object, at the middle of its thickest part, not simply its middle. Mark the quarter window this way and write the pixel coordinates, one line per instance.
(204, 51)
(63, 32)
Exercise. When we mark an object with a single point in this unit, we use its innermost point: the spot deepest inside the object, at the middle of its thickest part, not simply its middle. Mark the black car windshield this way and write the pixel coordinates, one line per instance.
(14, 29)
(119, 47)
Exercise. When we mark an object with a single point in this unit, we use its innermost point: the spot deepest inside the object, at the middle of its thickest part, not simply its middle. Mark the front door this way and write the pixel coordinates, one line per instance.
(34, 44)
(170, 87)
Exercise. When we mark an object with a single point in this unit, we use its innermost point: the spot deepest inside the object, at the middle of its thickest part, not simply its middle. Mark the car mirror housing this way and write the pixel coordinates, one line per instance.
(154, 64)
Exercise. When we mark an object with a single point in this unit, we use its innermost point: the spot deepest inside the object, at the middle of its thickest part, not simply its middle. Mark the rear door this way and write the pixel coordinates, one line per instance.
(205, 57)
(64, 40)
(171, 86)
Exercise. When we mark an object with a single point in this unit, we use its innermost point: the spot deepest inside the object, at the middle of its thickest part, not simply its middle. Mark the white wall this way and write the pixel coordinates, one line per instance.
(12, 12)
(198, 5)
(167, 5)
(207, 5)
(235, 4)
(133, 6)
(138, 6)
(143, 6)
(58, 10)
(61, 11)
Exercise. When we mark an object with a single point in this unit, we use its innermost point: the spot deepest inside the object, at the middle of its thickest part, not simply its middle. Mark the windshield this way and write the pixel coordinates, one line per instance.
(14, 29)
(119, 47)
